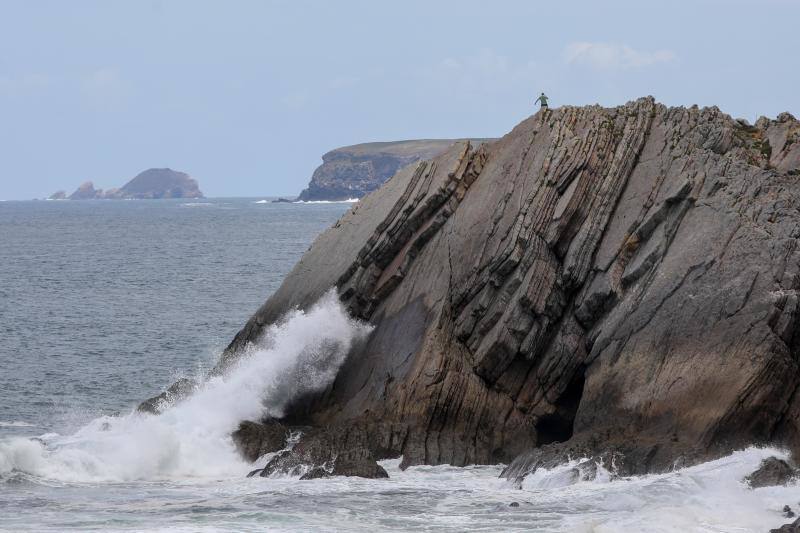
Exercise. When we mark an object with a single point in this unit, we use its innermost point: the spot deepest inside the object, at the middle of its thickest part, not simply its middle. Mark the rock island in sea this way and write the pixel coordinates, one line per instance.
(151, 184)
(618, 283)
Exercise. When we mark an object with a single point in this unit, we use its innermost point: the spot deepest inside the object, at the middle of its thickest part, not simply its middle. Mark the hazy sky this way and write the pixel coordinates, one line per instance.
(246, 96)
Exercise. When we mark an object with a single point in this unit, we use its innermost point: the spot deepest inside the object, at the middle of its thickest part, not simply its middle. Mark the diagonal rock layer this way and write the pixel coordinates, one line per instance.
(611, 281)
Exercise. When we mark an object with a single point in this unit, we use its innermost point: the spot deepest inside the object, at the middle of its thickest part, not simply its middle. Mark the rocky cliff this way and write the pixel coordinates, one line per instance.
(150, 184)
(353, 171)
(617, 282)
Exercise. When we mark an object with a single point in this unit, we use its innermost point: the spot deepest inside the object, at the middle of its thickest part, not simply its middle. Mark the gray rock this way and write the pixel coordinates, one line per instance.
(616, 281)
(354, 171)
(86, 191)
(254, 439)
(773, 471)
(176, 392)
(327, 452)
(151, 184)
(793, 527)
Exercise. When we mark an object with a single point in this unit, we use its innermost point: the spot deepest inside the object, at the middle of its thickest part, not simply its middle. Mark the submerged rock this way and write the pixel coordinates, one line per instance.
(254, 440)
(772, 471)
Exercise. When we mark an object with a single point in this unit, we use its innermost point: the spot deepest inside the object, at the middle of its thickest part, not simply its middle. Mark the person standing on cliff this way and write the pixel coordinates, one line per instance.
(543, 99)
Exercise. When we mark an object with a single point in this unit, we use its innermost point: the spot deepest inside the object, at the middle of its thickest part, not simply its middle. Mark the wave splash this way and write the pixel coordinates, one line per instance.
(191, 438)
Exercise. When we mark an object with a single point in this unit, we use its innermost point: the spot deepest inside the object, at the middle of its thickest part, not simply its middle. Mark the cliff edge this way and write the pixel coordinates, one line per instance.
(353, 171)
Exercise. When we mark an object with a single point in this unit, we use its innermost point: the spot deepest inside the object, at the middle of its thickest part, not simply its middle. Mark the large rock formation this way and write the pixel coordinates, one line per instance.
(613, 282)
(353, 171)
(150, 184)
(85, 191)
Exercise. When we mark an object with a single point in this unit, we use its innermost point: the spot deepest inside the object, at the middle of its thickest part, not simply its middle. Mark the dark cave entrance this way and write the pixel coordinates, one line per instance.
(558, 425)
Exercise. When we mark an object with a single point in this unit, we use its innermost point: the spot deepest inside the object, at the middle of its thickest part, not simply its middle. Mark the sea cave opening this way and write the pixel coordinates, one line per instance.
(558, 426)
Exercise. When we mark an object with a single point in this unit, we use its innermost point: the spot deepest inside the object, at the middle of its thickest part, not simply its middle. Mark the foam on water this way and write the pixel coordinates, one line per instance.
(16, 424)
(348, 201)
(192, 438)
(709, 497)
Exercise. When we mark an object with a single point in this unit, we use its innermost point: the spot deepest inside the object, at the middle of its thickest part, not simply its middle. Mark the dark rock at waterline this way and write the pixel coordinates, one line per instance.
(318, 472)
(772, 471)
(513, 504)
(176, 392)
(254, 440)
(327, 452)
(793, 527)
(282, 201)
(787, 512)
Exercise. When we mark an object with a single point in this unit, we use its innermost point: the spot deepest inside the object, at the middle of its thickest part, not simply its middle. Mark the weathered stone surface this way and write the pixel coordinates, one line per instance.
(332, 451)
(353, 171)
(619, 282)
(773, 471)
(176, 392)
(254, 439)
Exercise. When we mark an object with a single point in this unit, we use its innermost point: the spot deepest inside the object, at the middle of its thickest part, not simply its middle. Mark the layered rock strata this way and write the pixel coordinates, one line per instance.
(611, 282)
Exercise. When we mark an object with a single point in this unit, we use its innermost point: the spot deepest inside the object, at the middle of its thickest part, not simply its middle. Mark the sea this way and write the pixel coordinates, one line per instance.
(106, 303)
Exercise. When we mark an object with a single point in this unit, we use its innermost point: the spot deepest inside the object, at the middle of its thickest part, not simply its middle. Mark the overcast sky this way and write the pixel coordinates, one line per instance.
(246, 96)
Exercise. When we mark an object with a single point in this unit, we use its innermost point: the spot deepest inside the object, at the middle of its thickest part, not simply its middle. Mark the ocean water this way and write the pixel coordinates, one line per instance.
(103, 304)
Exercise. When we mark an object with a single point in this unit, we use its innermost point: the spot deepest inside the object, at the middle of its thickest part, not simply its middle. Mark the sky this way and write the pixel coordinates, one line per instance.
(246, 96)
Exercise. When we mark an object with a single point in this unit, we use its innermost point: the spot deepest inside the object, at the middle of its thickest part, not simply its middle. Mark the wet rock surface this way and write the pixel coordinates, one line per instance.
(254, 439)
(176, 392)
(616, 282)
(327, 452)
(771, 472)
(792, 527)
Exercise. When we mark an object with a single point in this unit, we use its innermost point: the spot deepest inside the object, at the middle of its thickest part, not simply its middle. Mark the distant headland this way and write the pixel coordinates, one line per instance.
(354, 171)
(151, 184)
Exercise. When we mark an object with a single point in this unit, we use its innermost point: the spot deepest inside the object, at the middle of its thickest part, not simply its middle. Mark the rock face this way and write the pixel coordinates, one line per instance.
(793, 527)
(353, 171)
(150, 184)
(773, 471)
(325, 452)
(616, 282)
(254, 440)
(58, 195)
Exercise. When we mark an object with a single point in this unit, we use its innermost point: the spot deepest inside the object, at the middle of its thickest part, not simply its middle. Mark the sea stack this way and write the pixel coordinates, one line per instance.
(611, 282)
(151, 184)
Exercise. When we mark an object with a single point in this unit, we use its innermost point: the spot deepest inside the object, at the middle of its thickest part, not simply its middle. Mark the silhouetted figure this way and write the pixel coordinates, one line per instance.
(543, 100)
